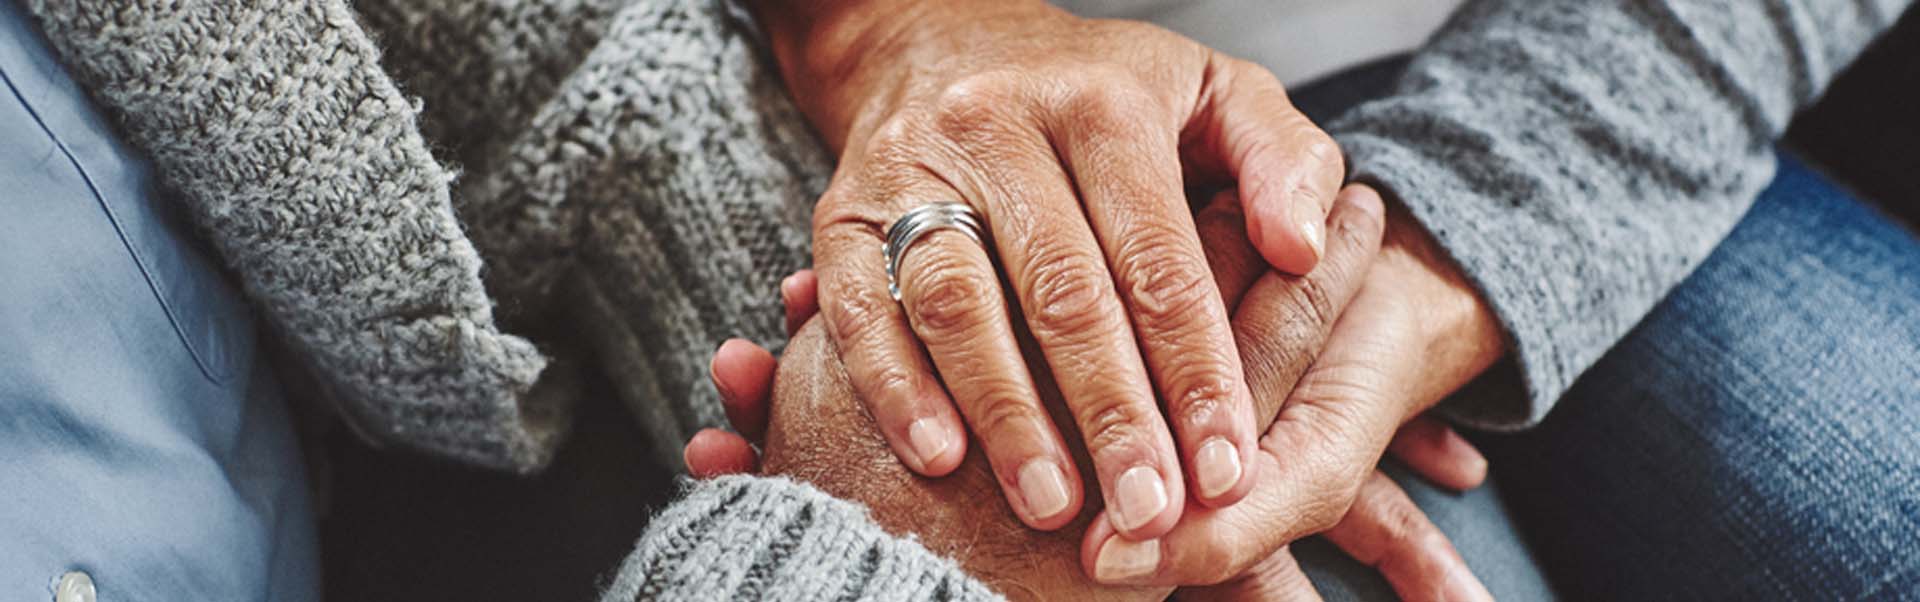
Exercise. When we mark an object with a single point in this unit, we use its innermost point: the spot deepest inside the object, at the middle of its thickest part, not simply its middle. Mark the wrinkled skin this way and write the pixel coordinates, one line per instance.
(1076, 140)
(815, 433)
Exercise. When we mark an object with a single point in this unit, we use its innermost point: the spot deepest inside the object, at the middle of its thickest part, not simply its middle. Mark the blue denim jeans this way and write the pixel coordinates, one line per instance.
(1756, 437)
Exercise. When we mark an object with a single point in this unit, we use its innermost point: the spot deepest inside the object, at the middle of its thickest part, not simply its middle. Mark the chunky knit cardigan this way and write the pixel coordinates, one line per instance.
(634, 179)
(637, 183)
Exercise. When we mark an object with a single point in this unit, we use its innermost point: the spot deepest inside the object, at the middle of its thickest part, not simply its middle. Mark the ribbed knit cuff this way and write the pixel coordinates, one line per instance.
(1518, 391)
(769, 538)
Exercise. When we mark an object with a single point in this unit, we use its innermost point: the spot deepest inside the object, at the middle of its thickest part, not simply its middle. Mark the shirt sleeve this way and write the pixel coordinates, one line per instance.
(769, 538)
(1578, 158)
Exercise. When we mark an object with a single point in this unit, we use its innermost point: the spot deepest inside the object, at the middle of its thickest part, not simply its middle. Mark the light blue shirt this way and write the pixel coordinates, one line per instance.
(143, 441)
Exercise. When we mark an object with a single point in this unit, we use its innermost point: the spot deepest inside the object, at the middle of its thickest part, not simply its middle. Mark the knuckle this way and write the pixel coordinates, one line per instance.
(1313, 303)
(1002, 412)
(975, 100)
(1321, 515)
(891, 386)
(1067, 296)
(1170, 290)
(1403, 529)
(1200, 401)
(842, 223)
(1322, 152)
(1257, 75)
(857, 317)
(896, 140)
(1104, 101)
(949, 297)
(1315, 143)
(1112, 425)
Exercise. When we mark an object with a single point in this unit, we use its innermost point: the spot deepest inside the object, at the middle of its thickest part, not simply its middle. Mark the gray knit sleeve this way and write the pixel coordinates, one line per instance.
(769, 538)
(1580, 157)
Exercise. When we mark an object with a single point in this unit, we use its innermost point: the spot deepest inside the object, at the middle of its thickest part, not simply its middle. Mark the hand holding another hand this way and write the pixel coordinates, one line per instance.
(1413, 333)
(1075, 140)
(1240, 548)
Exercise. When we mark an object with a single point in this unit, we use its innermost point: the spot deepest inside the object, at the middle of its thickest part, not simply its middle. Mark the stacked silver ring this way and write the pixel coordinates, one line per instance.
(924, 220)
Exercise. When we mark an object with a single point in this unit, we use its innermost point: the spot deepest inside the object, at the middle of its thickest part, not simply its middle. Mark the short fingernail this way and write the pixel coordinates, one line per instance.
(1044, 486)
(928, 440)
(1315, 236)
(714, 377)
(1217, 467)
(1462, 586)
(1140, 496)
(1476, 461)
(1123, 560)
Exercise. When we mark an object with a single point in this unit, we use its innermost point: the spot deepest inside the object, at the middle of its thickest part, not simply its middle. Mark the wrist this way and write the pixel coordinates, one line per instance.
(841, 58)
(1462, 336)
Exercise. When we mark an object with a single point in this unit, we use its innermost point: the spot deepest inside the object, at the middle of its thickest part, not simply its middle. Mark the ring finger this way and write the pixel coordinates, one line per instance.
(953, 299)
(1069, 301)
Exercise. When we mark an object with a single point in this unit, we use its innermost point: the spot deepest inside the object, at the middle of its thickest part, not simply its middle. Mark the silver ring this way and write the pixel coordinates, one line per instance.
(924, 220)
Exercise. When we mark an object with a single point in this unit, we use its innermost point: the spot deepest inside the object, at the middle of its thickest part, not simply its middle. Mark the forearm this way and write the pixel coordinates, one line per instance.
(1577, 159)
(825, 48)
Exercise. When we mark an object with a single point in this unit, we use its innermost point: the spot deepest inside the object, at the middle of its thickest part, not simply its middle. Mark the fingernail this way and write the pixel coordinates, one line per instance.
(1140, 497)
(1476, 462)
(1045, 487)
(1461, 585)
(928, 440)
(1122, 560)
(714, 377)
(1316, 240)
(1217, 467)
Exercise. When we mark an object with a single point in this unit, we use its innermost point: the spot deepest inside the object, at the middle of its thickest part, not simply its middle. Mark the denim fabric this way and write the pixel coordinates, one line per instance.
(1757, 437)
(1478, 524)
(141, 439)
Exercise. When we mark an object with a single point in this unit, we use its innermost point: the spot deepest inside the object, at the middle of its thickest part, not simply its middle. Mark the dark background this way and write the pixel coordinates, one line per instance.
(404, 527)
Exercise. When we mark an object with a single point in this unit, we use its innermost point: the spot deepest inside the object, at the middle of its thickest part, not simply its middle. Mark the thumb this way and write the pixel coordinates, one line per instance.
(1287, 168)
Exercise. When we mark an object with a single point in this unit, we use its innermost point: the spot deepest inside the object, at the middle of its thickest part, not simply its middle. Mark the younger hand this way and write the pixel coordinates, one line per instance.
(1414, 333)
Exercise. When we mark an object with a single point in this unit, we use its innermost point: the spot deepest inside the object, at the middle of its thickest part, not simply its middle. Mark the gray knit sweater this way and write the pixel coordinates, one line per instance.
(1580, 157)
(637, 183)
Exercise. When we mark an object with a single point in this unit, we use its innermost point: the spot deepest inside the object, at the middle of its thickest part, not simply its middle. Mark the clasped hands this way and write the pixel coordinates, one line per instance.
(1078, 141)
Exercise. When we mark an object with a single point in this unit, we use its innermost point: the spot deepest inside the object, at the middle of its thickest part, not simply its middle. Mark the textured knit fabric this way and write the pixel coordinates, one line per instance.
(753, 538)
(636, 180)
(292, 148)
(1580, 157)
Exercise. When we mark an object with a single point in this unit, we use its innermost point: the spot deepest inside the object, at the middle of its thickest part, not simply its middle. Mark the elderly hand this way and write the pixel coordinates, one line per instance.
(1382, 528)
(1075, 139)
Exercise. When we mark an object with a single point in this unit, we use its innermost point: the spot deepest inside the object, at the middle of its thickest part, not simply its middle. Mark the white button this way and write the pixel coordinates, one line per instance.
(73, 587)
